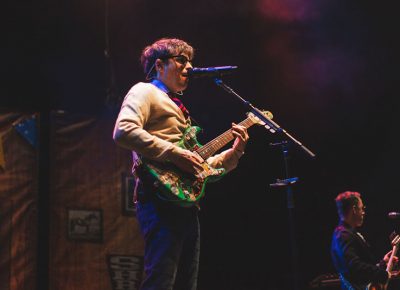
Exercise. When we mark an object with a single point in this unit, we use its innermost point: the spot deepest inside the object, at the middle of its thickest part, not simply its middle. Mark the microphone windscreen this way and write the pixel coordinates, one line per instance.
(394, 215)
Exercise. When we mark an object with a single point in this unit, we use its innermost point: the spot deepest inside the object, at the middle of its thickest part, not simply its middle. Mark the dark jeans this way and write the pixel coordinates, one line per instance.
(172, 243)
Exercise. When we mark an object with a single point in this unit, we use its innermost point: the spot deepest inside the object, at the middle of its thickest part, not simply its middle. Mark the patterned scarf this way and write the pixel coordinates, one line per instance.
(178, 102)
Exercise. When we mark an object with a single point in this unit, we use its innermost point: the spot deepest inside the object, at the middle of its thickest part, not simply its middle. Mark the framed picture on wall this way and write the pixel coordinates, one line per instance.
(127, 188)
(85, 224)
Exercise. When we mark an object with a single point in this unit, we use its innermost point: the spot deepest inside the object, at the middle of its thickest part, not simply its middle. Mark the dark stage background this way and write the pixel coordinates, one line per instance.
(327, 70)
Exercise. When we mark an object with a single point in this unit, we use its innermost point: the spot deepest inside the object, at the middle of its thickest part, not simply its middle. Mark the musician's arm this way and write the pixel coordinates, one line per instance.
(359, 270)
(140, 104)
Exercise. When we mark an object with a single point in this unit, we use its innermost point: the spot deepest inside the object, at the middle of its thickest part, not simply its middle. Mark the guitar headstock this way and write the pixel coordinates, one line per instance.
(395, 241)
(257, 120)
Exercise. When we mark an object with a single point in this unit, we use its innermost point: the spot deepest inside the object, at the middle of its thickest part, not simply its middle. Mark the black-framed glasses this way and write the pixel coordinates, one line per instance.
(182, 59)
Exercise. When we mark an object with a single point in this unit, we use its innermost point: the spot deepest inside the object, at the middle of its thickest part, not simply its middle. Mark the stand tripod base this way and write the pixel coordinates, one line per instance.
(284, 182)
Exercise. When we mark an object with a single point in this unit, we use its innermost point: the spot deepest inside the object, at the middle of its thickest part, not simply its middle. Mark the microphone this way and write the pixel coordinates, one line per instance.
(394, 215)
(198, 72)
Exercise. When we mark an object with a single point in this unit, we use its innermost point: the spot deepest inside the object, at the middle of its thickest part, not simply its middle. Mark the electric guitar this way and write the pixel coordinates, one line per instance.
(389, 267)
(186, 189)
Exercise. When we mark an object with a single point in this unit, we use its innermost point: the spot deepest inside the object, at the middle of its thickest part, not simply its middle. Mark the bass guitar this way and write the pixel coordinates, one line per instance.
(185, 189)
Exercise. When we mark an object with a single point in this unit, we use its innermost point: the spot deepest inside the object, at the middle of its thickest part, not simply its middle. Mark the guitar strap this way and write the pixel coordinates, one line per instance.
(174, 97)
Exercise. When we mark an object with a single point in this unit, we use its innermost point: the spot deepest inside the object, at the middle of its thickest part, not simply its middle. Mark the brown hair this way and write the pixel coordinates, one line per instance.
(162, 49)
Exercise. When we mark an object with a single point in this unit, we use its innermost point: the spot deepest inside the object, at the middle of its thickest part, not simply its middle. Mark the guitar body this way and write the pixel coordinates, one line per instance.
(180, 187)
(185, 189)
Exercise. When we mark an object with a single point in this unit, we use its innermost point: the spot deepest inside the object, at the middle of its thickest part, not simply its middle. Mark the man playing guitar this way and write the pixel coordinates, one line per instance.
(153, 123)
(351, 254)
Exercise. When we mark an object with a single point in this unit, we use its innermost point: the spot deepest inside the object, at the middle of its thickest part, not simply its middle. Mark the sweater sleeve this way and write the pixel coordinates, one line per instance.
(227, 159)
(129, 129)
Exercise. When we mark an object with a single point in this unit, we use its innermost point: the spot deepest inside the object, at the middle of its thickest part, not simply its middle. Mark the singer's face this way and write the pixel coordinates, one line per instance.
(173, 72)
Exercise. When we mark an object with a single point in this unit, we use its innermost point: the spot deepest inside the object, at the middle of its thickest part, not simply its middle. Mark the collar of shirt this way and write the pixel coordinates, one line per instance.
(159, 84)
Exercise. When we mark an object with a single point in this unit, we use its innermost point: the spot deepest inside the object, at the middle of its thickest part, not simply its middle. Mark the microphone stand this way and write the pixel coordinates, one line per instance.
(269, 124)
(273, 127)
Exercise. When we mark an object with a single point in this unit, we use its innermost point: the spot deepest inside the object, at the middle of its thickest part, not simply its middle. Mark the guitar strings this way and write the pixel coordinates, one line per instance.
(227, 136)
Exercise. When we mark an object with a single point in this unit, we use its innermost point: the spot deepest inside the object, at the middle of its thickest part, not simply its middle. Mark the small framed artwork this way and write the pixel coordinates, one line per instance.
(85, 225)
(127, 189)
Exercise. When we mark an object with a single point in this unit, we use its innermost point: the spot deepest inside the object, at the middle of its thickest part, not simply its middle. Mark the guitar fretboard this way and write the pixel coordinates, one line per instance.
(217, 143)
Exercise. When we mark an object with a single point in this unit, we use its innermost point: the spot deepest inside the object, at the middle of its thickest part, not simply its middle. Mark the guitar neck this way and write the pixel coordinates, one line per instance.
(217, 143)
(390, 263)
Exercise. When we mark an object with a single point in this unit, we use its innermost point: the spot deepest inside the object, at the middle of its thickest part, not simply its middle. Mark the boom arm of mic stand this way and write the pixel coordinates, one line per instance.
(271, 125)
